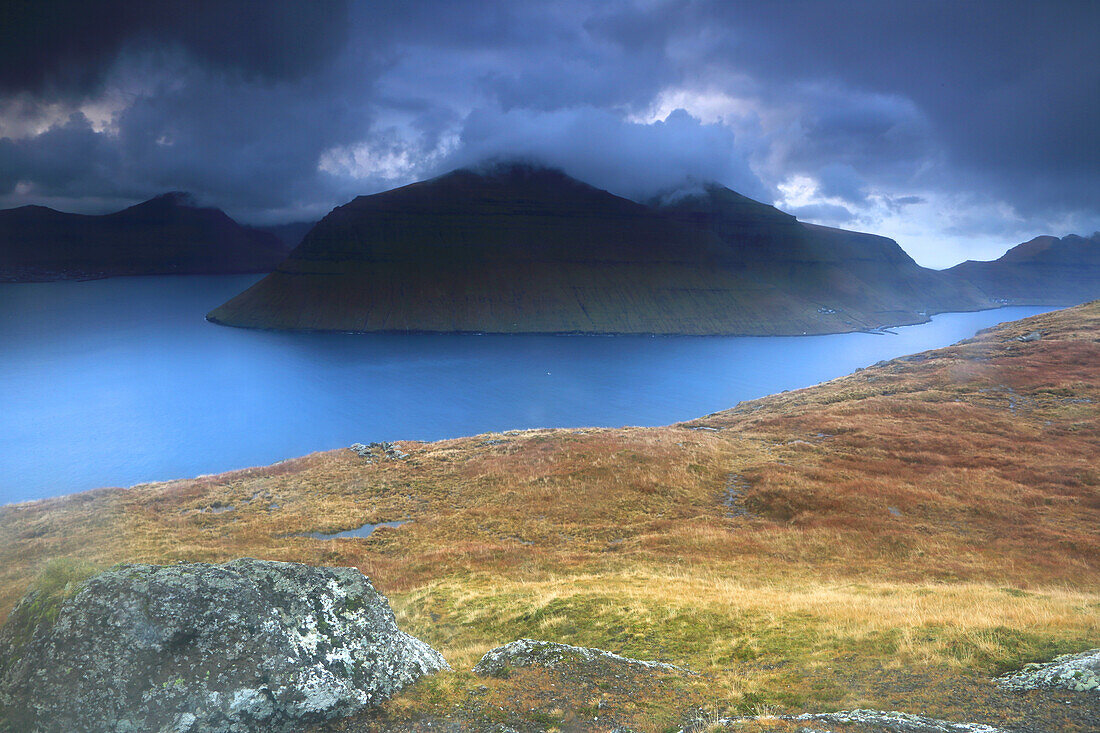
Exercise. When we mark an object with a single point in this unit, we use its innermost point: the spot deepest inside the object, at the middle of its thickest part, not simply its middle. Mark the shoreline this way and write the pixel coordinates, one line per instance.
(875, 330)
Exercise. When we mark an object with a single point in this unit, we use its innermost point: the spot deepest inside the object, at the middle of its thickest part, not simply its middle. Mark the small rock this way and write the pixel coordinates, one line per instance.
(1033, 336)
(895, 722)
(734, 498)
(532, 653)
(879, 721)
(378, 450)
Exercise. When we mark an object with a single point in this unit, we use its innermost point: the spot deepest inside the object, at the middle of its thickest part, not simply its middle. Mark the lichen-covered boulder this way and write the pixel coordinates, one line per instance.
(1075, 672)
(533, 653)
(245, 646)
(871, 721)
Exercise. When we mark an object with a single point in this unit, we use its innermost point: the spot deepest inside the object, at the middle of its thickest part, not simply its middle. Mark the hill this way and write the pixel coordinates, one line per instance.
(889, 539)
(1043, 271)
(517, 249)
(866, 279)
(289, 234)
(165, 235)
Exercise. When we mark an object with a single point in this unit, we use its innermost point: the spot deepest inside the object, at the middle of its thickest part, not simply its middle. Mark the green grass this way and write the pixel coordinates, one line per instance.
(61, 579)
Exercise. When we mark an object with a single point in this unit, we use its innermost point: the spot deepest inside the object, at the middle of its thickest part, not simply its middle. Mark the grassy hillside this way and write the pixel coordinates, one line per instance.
(889, 539)
(520, 250)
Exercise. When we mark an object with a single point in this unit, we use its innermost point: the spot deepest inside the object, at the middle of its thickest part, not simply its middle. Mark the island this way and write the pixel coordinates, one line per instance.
(516, 248)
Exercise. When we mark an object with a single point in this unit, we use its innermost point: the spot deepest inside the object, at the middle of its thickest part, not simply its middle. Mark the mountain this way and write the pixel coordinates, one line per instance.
(289, 234)
(168, 234)
(517, 248)
(1044, 271)
(868, 280)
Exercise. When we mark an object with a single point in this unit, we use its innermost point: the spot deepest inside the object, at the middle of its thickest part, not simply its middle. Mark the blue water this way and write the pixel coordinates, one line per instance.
(365, 531)
(121, 381)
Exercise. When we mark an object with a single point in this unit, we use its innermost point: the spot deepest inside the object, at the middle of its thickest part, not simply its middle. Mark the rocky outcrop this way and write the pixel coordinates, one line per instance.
(532, 653)
(1076, 672)
(890, 721)
(245, 646)
(378, 451)
(878, 721)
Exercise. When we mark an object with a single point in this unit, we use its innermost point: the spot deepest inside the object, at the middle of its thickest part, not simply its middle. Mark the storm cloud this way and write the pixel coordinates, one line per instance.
(957, 128)
(69, 47)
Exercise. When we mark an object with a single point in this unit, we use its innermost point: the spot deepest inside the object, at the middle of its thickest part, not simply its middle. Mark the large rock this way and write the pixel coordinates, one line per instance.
(245, 646)
(1076, 672)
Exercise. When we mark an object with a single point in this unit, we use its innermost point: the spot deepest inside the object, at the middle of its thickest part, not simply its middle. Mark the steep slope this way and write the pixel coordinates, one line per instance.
(1043, 271)
(523, 249)
(859, 279)
(165, 235)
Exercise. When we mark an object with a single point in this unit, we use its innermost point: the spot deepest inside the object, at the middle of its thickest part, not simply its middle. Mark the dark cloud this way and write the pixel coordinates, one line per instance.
(69, 159)
(68, 47)
(822, 213)
(842, 181)
(1010, 89)
(285, 109)
(632, 160)
(907, 200)
(897, 203)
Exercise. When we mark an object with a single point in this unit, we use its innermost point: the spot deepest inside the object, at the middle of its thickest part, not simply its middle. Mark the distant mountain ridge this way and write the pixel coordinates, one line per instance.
(168, 234)
(1043, 271)
(524, 249)
(868, 277)
(289, 234)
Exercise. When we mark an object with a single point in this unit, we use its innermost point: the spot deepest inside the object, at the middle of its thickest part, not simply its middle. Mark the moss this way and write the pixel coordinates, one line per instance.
(353, 604)
(546, 719)
(1017, 593)
(59, 580)
(1002, 649)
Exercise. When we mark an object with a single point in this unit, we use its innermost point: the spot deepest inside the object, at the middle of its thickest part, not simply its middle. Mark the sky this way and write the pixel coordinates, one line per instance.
(958, 128)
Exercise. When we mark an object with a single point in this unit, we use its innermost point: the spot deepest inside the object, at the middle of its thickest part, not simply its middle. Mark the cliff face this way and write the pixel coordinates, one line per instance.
(864, 278)
(165, 235)
(521, 249)
(1044, 271)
